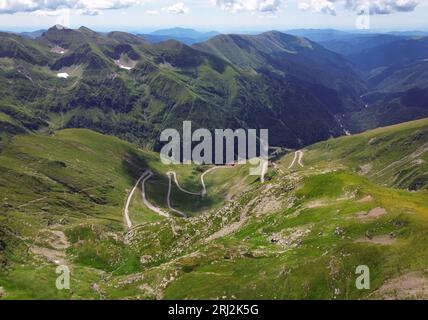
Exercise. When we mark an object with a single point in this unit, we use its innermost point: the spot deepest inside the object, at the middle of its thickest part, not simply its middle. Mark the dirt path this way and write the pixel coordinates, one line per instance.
(171, 174)
(265, 169)
(204, 187)
(298, 157)
(301, 159)
(168, 198)
(204, 192)
(146, 202)
(174, 174)
(128, 200)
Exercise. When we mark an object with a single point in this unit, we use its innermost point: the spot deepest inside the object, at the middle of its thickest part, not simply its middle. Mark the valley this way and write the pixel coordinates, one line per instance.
(78, 78)
(324, 210)
(82, 184)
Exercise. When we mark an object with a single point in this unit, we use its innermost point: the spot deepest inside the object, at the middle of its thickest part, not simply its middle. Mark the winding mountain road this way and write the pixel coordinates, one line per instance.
(301, 159)
(265, 169)
(147, 202)
(174, 174)
(171, 175)
(204, 187)
(203, 193)
(298, 157)
(128, 200)
(168, 198)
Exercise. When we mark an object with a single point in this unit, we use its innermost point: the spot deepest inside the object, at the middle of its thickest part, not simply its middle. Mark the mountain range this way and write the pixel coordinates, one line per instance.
(122, 84)
(184, 35)
(81, 188)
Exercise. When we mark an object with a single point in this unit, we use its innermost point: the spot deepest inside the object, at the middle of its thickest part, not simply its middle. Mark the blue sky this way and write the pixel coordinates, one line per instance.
(220, 15)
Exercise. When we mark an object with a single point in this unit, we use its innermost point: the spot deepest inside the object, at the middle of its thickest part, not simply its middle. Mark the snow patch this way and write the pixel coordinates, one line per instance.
(63, 75)
(58, 50)
(128, 65)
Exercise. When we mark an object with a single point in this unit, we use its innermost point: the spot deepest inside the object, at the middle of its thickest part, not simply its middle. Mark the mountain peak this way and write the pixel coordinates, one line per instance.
(279, 35)
(273, 33)
(171, 44)
(58, 27)
(86, 30)
(186, 32)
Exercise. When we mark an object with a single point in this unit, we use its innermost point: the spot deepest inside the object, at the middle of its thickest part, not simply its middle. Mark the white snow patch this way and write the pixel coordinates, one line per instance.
(125, 65)
(63, 75)
(58, 50)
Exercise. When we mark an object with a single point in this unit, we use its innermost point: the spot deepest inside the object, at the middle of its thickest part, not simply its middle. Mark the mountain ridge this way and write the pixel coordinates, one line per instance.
(347, 200)
(119, 80)
(136, 76)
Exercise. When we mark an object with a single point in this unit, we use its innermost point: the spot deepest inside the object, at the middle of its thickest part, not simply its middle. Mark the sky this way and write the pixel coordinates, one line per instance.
(218, 15)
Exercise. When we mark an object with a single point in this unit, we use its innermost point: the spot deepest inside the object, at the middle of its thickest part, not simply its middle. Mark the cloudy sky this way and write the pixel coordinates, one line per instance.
(221, 15)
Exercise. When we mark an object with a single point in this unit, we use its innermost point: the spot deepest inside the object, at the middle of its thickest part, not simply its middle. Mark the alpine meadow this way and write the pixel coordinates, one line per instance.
(299, 144)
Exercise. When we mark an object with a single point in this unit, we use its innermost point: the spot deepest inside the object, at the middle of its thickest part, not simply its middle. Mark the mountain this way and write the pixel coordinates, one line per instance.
(356, 45)
(401, 51)
(82, 186)
(187, 36)
(351, 43)
(19, 48)
(120, 84)
(353, 200)
(184, 33)
(123, 85)
(295, 60)
(33, 34)
(397, 77)
(321, 35)
(414, 33)
(394, 69)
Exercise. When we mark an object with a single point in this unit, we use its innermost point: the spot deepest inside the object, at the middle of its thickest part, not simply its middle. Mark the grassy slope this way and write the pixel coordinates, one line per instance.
(75, 182)
(321, 201)
(170, 83)
(392, 156)
(299, 236)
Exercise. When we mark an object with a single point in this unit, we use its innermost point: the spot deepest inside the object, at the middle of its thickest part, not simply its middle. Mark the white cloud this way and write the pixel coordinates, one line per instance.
(322, 6)
(374, 6)
(153, 12)
(265, 6)
(94, 7)
(384, 6)
(50, 13)
(178, 8)
(87, 7)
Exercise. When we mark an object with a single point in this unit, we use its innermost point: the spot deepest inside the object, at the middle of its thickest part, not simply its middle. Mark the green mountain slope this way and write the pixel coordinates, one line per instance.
(301, 235)
(57, 190)
(121, 85)
(184, 35)
(313, 226)
(295, 59)
(392, 156)
(397, 78)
